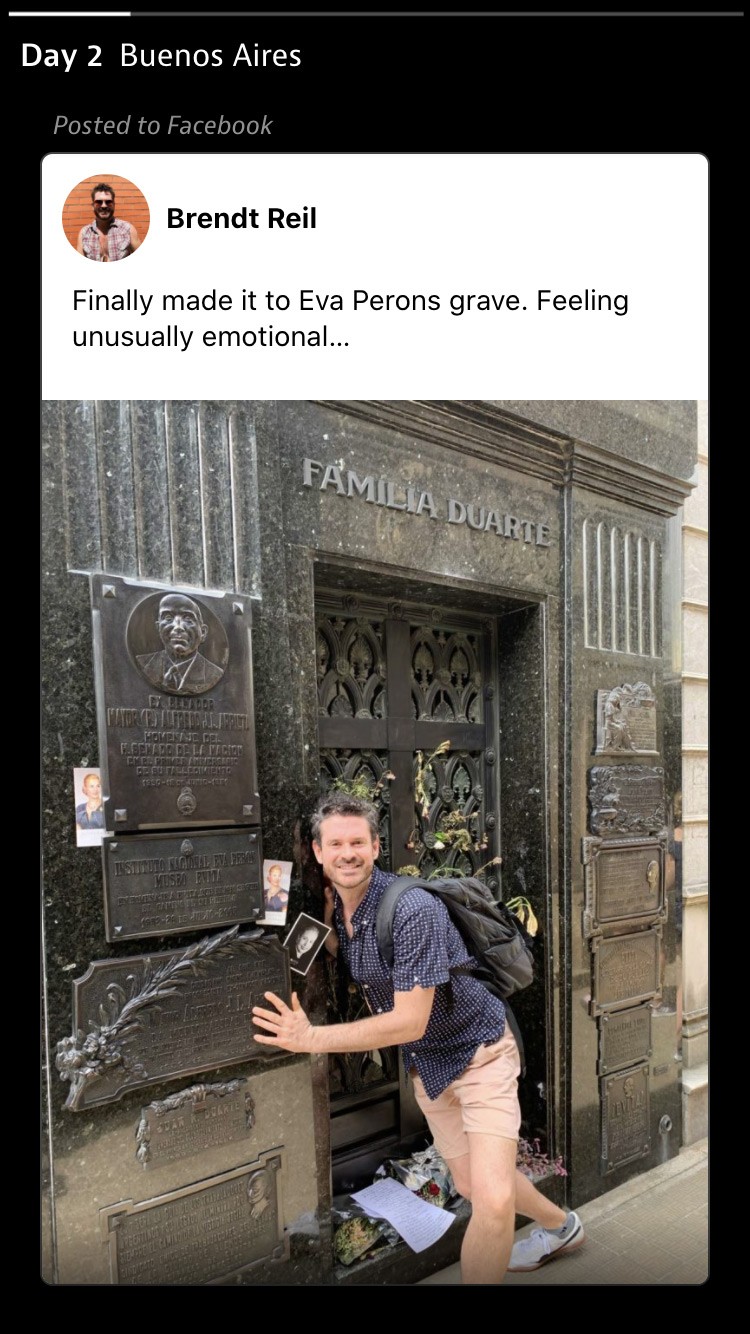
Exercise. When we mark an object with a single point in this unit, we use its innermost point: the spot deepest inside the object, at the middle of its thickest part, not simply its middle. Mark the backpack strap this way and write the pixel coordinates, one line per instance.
(386, 911)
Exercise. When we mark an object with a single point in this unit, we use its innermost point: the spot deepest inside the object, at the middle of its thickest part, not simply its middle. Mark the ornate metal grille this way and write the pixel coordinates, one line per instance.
(395, 680)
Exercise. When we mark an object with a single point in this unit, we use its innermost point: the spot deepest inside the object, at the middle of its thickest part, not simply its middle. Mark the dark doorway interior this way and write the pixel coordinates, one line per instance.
(398, 680)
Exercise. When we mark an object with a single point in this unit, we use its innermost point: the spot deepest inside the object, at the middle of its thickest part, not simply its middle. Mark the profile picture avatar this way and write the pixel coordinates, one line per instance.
(106, 218)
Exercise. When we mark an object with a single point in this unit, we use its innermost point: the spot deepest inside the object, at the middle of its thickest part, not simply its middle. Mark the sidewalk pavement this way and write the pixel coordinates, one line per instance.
(652, 1230)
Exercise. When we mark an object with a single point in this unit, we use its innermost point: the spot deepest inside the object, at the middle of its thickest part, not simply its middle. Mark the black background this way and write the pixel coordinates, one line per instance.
(384, 84)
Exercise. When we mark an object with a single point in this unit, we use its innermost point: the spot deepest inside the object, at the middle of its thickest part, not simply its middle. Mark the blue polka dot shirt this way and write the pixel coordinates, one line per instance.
(426, 950)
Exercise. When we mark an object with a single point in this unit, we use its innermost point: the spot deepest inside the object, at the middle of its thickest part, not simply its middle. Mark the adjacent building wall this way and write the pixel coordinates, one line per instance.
(695, 795)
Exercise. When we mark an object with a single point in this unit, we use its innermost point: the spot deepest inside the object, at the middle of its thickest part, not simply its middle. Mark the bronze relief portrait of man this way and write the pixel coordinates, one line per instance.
(184, 664)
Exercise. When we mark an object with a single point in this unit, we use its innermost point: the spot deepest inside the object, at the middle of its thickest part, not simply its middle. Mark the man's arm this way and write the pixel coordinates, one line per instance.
(135, 239)
(79, 246)
(292, 1029)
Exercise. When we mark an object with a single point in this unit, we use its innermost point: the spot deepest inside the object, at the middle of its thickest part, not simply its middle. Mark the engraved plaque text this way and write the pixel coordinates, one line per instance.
(624, 1038)
(200, 1234)
(624, 882)
(197, 1118)
(626, 1133)
(139, 1020)
(174, 705)
(157, 884)
(626, 969)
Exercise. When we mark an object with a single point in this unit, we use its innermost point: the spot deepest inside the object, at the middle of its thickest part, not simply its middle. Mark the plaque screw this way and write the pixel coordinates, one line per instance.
(247, 810)
(238, 609)
(122, 814)
(118, 929)
(109, 591)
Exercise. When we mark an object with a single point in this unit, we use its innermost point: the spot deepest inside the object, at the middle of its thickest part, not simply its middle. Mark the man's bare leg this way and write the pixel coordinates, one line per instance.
(532, 1204)
(487, 1176)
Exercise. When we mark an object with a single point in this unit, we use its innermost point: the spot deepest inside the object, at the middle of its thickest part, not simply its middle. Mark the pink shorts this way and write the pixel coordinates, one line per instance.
(483, 1100)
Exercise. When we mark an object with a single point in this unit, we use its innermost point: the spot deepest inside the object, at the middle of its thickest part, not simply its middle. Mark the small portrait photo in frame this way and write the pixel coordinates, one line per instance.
(89, 807)
(304, 941)
(277, 878)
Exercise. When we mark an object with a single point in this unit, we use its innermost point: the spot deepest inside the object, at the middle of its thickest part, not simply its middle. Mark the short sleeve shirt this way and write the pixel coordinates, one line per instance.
(118, 240)
(427, 949)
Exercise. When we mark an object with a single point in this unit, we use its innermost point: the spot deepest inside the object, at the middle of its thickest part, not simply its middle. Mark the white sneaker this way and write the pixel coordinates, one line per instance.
(534, 1251)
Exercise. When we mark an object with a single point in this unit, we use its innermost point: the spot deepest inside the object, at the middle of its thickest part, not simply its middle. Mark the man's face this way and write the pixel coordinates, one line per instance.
(104, 206)
(346, 851)
(180, 626)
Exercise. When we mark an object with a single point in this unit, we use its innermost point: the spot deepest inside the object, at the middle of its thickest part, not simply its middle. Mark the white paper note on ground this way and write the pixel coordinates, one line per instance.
(419, 1223)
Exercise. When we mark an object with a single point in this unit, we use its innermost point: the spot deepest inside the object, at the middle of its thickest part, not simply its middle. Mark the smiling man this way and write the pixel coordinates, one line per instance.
(179, 667)
(107, 238)
(463, 1060)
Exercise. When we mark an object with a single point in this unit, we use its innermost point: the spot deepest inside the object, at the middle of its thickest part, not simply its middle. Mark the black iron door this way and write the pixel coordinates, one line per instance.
(397, 683)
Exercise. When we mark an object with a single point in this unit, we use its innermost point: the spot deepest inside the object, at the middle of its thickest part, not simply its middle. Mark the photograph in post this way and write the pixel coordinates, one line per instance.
(276, 880)
(305, 939)
(89, 807)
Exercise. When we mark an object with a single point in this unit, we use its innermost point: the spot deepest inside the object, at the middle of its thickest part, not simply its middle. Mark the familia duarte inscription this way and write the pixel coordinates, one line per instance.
(174, 706)
(378, 490)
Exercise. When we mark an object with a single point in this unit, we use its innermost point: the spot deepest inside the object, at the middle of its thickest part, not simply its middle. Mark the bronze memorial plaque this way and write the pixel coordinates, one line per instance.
(626, 799)
(624, 1038)
(200, 1234)
(174, 700)
(626, 720)
(626, 1126)
(624, 882)
(203, 1116)
(143, 1019)
(626, 969)
(162, 884)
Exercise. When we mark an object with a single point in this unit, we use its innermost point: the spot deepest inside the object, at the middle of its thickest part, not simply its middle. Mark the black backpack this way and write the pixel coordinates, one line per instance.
(489, 930)
(491, 933)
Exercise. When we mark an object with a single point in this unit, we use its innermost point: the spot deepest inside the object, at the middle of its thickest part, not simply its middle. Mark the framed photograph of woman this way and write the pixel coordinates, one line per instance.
(89, 807)
(276, 881)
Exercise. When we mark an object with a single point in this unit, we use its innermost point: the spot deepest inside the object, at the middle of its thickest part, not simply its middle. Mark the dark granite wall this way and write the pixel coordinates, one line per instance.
(599, 616)
(212, 495)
